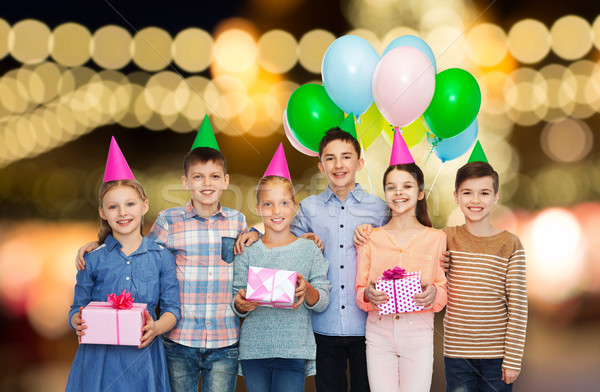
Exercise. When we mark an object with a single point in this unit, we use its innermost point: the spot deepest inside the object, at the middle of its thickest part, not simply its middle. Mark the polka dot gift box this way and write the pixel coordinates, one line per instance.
(401, 287)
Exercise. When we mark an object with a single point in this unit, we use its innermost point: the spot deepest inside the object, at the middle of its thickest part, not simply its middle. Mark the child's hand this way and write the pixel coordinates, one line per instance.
(149, 331)
(313, 237)
(242, 304)
(445, 260)
(247, 238)
(509, 376)
(375, 296)
(361, 234)
(427, 297)
(78, 323)
(79, 260)
(301, 286)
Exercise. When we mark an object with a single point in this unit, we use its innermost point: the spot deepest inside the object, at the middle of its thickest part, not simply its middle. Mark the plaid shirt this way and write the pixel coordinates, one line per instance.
(205, 280)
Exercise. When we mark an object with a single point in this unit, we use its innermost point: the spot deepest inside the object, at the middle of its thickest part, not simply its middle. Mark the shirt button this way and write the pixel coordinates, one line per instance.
(343, 307)
(341, 266)
(127, 278)
(343, 208)
(342, 286)
(342, 226)
(341, 246)
(398, 318)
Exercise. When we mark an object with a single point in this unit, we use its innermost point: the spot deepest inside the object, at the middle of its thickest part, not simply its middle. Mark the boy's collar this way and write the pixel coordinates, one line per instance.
(357, 192)
(191, 212)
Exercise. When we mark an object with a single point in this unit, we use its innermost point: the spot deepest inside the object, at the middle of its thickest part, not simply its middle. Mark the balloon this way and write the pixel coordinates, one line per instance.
(455, 103)
(311, 113)
(413, 133)
(414, 42)
(370, 126)
(292, 139)
(403, 85)
(347, 69)
(454, 147)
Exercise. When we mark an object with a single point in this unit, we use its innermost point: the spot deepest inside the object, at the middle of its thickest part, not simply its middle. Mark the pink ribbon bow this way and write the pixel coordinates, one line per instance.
(396, 273)
(122, 301)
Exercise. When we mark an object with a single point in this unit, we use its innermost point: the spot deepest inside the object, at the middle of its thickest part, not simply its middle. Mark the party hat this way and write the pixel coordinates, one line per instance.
(116, 165)
(205, 136)
(278, 165)
(477, 154)
(348, 125)
(400, 151)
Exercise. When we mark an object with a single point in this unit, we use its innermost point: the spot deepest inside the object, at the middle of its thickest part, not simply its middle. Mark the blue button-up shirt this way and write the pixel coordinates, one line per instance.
(334, 222)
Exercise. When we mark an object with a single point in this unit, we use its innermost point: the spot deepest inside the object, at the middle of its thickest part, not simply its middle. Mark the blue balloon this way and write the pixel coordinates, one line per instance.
(347, 69)
(454, 147)
(415, 42)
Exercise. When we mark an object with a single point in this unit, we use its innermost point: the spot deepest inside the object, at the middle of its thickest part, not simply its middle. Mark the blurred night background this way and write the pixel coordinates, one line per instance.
(74, 73)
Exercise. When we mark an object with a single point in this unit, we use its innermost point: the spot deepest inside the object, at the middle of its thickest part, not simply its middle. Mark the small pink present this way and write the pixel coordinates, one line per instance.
(271, 287)
(401, 287)
(118, 321)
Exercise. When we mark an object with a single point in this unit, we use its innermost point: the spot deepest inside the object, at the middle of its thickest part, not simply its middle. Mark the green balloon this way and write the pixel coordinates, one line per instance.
(455, 103)
(311, 113)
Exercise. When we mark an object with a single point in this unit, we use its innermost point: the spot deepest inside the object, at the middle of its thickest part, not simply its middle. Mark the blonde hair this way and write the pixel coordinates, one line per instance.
(274, 180)
(105, 228)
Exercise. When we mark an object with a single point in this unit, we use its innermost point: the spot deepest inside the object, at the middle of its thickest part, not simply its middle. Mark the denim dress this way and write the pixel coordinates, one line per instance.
(149, 275)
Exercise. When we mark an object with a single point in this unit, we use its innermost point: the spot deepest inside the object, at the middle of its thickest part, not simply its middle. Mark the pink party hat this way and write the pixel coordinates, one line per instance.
(116, 165)
(400, 151)
(278, 165)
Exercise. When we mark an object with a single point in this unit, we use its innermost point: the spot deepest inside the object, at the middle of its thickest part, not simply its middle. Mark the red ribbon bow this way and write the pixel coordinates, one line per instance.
(396, 273)
(122, 301)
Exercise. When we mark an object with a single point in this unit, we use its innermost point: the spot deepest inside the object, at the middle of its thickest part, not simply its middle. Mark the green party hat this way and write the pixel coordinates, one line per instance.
(477, 155)
(205, 136)
(348, 125)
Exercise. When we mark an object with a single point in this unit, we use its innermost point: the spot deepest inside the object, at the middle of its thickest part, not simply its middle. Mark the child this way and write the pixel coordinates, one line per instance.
(125, 260)
(201, 235)
(486, 318)
(400, 346)
(277, 346)
(332, 216)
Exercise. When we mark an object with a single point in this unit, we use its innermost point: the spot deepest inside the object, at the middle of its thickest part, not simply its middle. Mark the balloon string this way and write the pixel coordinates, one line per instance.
(366, 164)
(434, 181)
(426, 157)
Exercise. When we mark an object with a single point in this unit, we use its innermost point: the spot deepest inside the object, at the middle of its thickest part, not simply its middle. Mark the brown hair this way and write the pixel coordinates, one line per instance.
(274, 180)
(203, 155)
(422, 212)
(476, 169)
(338, 134)
(105, 228)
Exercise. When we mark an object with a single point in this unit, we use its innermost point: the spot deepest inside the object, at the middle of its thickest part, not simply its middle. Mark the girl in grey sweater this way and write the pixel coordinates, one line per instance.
(277, 345)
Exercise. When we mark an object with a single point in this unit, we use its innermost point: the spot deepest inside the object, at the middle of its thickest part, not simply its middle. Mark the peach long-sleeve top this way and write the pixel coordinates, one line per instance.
(421, 253)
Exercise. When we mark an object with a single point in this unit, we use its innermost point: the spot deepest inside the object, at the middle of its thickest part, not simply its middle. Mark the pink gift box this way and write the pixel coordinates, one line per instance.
(107, 325)
(271, 287)
(401, 293)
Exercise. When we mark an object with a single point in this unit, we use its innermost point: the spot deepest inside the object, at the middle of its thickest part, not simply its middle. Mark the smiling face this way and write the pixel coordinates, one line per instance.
(402, 192)
(276, 205)
(206, 182)
(476, 197)
(340, 162)
(123, 209)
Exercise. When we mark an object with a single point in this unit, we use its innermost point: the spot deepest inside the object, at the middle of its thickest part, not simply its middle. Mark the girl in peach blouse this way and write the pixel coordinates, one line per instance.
(400, 346)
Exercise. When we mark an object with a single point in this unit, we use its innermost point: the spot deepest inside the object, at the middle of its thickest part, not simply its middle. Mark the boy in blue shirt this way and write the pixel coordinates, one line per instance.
(332, 216)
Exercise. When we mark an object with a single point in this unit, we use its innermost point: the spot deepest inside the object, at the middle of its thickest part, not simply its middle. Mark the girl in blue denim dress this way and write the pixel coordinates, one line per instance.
(126, 260)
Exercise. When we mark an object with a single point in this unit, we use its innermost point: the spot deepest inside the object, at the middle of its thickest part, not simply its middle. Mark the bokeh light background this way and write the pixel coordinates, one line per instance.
(72, 75)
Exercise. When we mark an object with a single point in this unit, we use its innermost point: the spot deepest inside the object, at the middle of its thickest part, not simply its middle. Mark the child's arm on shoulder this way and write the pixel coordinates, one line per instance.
(79, 259)
(314, 290)
(361, 234)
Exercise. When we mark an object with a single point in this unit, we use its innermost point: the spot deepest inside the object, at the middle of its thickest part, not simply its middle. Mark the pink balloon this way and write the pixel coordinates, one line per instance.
(292, 139)
(403, 85)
